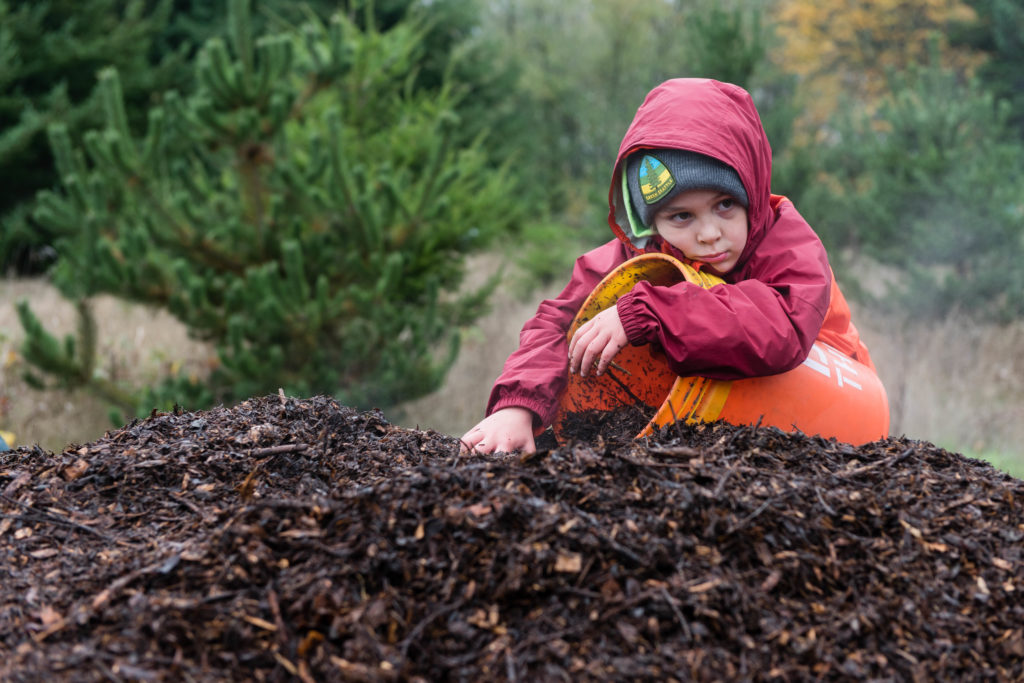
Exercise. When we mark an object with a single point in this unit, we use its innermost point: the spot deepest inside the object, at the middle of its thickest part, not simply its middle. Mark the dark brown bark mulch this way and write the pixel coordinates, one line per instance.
(301, 540)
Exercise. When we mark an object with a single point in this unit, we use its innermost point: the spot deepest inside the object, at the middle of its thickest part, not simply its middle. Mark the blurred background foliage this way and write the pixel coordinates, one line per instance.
(897, 125)
(305, 208)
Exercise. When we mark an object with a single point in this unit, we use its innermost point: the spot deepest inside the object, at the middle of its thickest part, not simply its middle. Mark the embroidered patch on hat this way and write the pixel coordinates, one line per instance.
(655, 179)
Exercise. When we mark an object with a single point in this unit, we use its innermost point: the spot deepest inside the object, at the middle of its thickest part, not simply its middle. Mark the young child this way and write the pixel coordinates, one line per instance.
(691, 180)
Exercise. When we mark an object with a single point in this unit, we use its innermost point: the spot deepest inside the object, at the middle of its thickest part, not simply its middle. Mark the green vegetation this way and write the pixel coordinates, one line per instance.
(307, 208)
(998, 32)
(930, 183)
(1011, 463)
(305, 200)
(49, 55)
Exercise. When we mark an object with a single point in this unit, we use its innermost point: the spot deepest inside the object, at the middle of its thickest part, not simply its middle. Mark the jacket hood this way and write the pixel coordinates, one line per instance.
(705, 116)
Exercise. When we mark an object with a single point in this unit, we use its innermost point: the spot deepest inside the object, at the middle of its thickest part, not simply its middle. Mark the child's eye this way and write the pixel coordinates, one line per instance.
(681, 216)
(727, 204)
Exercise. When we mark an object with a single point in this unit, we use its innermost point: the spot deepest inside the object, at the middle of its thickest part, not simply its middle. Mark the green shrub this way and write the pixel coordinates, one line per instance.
(49, 55)
(930, 183)
(307, 209)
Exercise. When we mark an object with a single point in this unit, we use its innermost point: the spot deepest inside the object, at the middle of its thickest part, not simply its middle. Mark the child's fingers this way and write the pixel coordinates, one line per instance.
(591, 354)
(596, 342)
(601, 355)
(581, 334)
(505, 444)
(578, 347)
(478, 440)
(523, 443)
(604, 359)
(482, 442)
(478, 444)
(527, 446)
(578, 361)
(583, 359)
(572, 342)
(505, 430)
(469, 440)
(611, 349)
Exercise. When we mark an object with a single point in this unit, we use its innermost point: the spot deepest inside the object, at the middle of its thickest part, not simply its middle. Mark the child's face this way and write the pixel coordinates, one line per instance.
(706, 225)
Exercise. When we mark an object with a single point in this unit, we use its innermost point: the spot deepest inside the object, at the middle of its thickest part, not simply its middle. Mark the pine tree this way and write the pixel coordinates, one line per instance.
(997, 29)
(304, 209)
(49, 55)
(929, 183)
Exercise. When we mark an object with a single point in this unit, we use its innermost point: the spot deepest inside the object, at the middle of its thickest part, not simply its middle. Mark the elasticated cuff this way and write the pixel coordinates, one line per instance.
(633, 323)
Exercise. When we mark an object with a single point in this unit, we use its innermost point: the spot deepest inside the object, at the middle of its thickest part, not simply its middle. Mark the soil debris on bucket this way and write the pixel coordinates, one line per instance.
(619, 425)
(288, 539)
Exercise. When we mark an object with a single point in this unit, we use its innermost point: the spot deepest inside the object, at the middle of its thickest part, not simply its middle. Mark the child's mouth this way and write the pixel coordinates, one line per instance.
(715, 258)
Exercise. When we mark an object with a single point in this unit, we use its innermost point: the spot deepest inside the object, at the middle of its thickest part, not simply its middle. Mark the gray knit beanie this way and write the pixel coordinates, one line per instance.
(654, 176)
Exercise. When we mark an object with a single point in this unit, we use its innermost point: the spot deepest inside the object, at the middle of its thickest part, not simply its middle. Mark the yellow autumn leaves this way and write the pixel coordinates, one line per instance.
(844, 47)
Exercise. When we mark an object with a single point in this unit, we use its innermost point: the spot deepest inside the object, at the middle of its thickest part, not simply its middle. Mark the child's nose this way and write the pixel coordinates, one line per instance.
(709, 231)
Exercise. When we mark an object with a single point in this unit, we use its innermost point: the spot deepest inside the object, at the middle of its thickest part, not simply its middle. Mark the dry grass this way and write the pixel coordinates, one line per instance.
(136, 344)
(952, 383)
(955, 383)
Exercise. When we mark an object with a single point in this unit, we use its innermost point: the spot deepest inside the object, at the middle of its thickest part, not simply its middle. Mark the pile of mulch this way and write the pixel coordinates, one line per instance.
(293, 539)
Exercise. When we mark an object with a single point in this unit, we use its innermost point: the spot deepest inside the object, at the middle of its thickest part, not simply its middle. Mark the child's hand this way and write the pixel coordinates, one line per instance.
(597, 340)
(506, 430)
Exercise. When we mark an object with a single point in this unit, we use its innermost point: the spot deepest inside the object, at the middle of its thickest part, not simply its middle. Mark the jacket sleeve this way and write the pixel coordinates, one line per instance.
(535, 375)
(763, 322)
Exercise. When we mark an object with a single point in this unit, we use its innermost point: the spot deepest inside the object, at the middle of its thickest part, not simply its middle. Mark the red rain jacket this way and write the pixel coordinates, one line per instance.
(776, 302)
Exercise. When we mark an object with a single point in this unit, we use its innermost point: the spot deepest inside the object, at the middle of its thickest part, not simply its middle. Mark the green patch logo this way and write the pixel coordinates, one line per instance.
(655, 179)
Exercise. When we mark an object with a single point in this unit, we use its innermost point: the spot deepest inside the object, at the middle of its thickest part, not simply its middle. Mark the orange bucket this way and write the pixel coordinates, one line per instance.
(829, 394)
